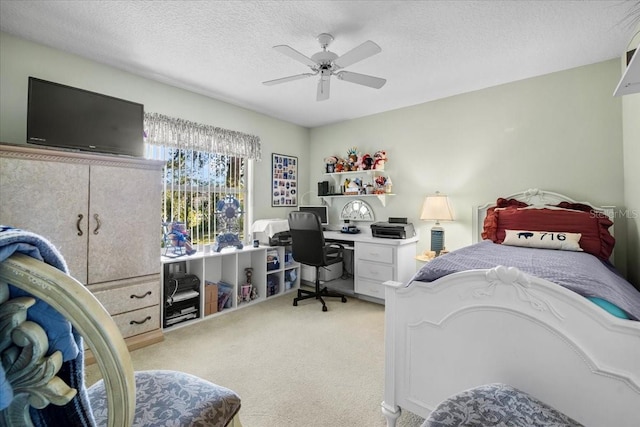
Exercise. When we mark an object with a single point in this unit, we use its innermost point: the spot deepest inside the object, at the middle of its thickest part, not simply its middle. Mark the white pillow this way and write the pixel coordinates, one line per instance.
(543, 239)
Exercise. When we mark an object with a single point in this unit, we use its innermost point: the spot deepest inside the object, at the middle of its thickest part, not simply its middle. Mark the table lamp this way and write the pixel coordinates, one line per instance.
(436, 208)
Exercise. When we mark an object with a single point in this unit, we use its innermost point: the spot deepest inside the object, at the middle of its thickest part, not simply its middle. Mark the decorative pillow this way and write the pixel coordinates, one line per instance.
(575, 206)
(543, 239)
(594, 228)
(491, 221)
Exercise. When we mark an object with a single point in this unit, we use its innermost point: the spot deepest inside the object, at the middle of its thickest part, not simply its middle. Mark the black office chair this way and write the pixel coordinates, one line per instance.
(309, 248)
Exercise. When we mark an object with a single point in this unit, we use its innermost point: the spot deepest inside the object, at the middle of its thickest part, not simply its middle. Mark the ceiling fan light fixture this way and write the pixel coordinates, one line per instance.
(327, 63)
(323, 89)
(324, 57)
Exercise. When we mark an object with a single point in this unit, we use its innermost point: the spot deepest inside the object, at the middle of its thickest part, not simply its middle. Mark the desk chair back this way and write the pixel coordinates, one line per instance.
(308, 245)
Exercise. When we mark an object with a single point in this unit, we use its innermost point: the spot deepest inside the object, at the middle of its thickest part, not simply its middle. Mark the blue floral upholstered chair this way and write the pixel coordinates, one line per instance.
(44, 316)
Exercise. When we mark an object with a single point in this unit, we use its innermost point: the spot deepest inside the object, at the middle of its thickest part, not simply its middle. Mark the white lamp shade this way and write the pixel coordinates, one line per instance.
(436, 208)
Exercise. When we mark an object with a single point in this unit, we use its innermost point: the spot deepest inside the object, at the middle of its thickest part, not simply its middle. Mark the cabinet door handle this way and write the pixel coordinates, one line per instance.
(80, 216)
(135, 322)
(140, 297)
(97, 218)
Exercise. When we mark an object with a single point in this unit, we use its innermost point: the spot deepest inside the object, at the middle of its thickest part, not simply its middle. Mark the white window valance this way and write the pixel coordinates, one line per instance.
(165, 131)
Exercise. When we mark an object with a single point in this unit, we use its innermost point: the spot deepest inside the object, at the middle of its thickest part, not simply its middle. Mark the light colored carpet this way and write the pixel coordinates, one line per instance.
(292, 366)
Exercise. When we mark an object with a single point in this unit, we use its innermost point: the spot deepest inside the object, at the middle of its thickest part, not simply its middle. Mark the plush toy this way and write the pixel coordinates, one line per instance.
(332, 160)
(178, 239)
(380, 158)
(367, 162)
(352, 158)
(358, 165)
(330, 163)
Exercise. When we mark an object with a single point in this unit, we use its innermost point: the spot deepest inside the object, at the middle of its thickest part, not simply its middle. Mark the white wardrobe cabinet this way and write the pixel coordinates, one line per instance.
(101, 212)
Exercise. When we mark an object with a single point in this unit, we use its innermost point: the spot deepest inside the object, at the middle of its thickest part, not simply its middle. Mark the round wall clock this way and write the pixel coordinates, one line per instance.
(357, 210)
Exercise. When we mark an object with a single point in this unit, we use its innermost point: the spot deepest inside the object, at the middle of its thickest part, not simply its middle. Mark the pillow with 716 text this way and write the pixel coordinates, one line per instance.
(543, 239)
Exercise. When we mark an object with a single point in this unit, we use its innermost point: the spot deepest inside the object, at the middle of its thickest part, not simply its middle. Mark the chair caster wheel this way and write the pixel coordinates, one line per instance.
(344, 299)
(324, 308)
(295, 303)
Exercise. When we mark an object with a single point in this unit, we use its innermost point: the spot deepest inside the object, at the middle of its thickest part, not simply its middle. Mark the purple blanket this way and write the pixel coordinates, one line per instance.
(578, 271)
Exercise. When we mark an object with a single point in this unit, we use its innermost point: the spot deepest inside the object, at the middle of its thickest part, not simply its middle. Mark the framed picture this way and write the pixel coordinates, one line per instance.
(284, 180)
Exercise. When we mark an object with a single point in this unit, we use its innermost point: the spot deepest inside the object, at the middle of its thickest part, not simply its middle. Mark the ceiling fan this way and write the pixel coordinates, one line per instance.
(326, 64)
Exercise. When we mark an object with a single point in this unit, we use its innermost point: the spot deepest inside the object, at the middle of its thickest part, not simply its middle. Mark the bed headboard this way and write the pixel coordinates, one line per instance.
(534, 197)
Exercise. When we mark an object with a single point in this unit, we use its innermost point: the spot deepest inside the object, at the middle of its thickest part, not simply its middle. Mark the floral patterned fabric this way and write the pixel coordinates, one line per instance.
(167, 398)
(496, 405)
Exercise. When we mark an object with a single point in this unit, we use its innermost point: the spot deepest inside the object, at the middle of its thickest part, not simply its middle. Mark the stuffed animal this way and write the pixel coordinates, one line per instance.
(330, 163)
(380, 158)
(352, 158)
(178, 238)
(367, 162)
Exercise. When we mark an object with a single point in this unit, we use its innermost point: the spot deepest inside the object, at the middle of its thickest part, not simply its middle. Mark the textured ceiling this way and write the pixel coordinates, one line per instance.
(430, 49)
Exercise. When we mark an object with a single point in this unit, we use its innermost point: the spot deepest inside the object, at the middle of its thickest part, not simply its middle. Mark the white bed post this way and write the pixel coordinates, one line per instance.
(390, 409)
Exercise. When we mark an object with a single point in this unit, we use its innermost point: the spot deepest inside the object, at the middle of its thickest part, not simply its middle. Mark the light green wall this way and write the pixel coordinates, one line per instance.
(20, 59)
(560, 132)
(631, 135)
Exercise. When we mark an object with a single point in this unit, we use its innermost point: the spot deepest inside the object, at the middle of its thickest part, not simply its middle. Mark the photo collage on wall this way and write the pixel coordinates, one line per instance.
(284, 180)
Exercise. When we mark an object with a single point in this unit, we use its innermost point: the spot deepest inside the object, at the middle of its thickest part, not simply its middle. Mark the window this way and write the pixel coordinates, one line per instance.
(197, 182)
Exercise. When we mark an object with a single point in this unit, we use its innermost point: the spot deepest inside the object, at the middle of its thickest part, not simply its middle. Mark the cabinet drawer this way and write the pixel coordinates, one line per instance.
(138, 321)
(374, 271)
(373, 252)
(129, 297)
(369, 288)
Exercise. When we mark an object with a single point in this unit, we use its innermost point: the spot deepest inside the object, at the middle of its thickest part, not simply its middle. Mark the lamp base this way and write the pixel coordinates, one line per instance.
(437, 239)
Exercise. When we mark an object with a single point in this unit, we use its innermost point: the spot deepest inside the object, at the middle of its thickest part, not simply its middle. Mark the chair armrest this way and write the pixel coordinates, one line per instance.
(333, 248)
(77, 304)
(332, 252)
(334, 245)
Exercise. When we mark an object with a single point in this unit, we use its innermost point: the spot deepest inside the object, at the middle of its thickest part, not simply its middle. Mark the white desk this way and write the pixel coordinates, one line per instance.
(376, 260)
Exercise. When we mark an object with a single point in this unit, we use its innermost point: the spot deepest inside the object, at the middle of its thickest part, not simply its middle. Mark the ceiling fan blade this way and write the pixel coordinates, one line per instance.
(292, 53)
(358, 53)
(323, 89)
(361, 79)
(288, 79)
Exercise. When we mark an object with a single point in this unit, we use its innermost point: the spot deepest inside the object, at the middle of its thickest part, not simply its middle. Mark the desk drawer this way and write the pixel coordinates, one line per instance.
(373, 252)
(374, 271)
(369, 288)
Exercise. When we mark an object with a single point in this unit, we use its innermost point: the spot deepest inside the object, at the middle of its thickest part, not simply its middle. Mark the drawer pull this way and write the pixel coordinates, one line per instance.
(135, 322)
(140, 297)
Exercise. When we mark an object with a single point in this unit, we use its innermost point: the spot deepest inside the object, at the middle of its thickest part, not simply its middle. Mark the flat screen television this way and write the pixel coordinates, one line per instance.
(321, 210)
(68, 117)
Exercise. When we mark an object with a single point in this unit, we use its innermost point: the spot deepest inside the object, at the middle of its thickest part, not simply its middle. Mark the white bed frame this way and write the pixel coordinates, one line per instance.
(502, 325)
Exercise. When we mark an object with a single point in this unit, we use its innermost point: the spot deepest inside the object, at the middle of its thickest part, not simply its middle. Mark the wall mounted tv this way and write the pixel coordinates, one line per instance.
(72, 118)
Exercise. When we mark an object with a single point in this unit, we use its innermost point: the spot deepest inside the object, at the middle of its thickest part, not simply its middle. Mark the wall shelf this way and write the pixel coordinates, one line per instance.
(382, 197)
(369, 175)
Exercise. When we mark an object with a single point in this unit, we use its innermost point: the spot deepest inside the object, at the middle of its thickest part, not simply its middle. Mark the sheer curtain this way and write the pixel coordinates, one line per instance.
(204, 166)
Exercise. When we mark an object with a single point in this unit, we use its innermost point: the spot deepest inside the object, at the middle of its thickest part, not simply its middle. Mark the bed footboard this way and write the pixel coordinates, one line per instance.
(504, 326)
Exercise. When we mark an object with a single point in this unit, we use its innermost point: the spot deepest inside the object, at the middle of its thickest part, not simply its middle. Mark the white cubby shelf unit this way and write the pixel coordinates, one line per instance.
(229, 267)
